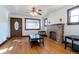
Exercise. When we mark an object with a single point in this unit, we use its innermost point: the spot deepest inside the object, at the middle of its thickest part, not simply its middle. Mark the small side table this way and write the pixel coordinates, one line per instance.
(72, 38)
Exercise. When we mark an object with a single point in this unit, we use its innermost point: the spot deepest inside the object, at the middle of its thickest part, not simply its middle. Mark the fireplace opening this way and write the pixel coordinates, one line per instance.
(52, 35)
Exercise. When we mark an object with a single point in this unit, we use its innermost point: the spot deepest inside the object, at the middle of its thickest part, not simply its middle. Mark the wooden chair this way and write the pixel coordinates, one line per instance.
(42, 33)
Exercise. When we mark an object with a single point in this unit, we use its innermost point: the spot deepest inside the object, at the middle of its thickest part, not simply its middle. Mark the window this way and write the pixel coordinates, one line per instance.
(73, 15)
(32, 24)
(47, 22)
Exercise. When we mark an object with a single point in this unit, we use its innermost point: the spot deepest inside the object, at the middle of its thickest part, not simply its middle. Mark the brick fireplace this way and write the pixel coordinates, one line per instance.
(56, 32)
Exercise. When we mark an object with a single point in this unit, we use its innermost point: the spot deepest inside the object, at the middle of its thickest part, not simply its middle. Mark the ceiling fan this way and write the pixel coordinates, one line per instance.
(36, 11)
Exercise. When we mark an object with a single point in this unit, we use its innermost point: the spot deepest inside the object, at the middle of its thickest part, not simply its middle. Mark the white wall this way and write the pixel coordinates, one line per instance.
(4, 28)
(28, 32)
(62, 13)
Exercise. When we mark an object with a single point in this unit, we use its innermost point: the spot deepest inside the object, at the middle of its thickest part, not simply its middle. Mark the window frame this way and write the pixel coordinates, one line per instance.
(33, 19)
(68, 16)
(45, 20)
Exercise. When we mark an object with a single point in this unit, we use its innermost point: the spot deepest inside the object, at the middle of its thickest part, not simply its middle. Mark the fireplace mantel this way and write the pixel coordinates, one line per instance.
(57, 24)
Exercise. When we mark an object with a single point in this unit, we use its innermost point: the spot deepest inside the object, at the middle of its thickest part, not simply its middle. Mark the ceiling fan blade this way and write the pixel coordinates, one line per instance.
(39, 13)
(39, 10)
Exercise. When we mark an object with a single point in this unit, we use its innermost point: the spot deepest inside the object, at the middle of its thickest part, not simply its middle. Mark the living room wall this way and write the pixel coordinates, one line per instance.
(62, 13)
(23, 16)
(4, 24)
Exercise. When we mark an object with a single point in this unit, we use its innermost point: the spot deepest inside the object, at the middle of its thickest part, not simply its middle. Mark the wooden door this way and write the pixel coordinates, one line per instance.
(16, 27)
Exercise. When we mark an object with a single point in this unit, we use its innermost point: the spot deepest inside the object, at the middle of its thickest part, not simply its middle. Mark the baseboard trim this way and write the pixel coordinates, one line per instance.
(25, 36)
(7, 39)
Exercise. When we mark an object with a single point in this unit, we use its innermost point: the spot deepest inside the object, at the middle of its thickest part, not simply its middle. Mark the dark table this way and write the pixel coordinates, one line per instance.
(72, 38)
(36, 38)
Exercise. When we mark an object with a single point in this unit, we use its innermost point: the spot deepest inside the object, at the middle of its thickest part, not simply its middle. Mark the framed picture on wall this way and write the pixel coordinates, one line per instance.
(47, 22)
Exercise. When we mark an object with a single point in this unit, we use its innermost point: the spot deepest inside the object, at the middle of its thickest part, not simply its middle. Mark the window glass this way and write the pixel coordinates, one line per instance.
(73, 15)
(74, 12)
(32, 24)
(74, 19)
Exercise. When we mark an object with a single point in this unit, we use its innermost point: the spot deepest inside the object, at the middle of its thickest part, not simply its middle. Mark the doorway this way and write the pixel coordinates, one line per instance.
(15, 27)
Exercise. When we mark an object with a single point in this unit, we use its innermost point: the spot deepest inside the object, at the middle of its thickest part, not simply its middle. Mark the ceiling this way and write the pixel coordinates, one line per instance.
(25, 9)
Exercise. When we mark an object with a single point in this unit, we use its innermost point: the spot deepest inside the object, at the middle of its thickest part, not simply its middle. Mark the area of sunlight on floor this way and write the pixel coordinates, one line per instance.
(6, 49)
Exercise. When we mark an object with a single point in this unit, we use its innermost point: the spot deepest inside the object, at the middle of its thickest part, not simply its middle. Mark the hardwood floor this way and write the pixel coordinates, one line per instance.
(22, 46)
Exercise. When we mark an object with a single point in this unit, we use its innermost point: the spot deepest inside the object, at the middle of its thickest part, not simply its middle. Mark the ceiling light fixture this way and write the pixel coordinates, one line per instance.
(35, 12)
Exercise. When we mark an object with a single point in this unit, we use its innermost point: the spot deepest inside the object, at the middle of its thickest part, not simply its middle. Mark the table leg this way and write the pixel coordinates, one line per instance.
(72, 44)
(65, 42)
(43, 41)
